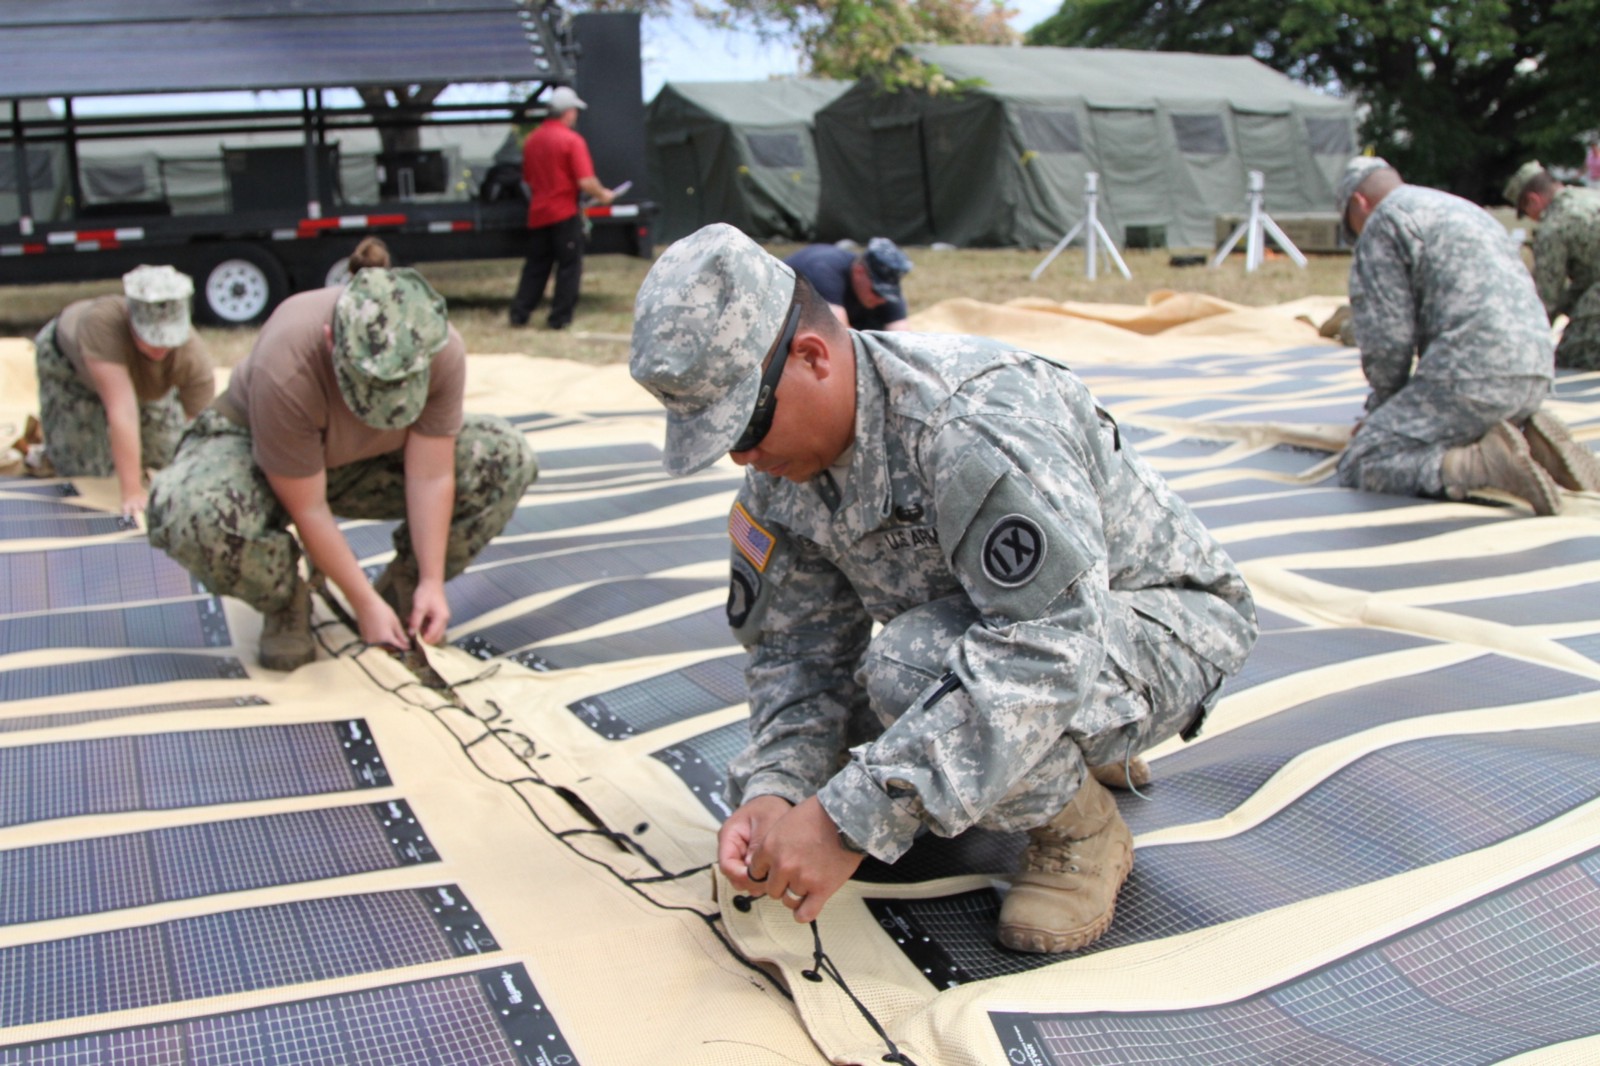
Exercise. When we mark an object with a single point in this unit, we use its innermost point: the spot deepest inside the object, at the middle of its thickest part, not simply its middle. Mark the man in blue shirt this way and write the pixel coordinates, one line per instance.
(863, 290)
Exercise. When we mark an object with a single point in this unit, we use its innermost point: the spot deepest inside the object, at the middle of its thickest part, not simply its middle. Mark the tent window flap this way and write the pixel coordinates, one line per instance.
(1049, 131)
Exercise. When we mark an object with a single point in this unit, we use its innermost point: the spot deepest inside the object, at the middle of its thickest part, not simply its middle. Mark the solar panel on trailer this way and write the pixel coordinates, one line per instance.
(1503, 975)
(192, 47)
(49, 881)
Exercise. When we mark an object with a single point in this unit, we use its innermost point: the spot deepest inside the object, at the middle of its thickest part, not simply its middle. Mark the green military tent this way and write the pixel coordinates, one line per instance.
(736, 152)
(1003, 163)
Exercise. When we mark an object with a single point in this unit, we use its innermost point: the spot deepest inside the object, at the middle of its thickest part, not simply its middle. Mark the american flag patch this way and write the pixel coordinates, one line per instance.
(753, 542)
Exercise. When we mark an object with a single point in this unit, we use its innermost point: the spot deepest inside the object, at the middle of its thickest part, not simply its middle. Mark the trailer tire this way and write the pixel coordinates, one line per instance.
(239, 286)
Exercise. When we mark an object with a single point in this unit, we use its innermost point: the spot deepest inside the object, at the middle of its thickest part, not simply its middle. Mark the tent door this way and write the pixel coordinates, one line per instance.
(905, 210)
(682, 199)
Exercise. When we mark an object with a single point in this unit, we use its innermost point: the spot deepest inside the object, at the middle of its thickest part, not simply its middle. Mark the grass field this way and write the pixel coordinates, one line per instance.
(479, 292)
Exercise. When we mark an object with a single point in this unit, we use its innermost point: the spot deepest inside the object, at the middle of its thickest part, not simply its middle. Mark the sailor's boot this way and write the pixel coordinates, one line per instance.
(398, 587)
(1500, 460)
(286, 642)
(1572, 465)
(1071, 872)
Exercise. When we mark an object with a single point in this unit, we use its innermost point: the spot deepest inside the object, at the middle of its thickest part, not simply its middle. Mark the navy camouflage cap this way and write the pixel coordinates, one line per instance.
(886, 265)
(387, 326)
(1355, 172)
(1519, 181)
(158, 304)
(708, 313)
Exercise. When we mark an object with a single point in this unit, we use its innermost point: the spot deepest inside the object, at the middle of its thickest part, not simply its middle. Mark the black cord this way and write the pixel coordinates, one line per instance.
(823, 965)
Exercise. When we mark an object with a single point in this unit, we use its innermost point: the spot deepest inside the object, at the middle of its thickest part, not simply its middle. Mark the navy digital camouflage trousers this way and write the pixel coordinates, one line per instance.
(1166, 692)
(214, 512)
(76, 435)
(1400, 447)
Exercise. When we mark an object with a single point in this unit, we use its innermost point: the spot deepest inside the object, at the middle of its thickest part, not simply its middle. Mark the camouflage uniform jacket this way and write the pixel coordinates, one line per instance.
(1435, 280)
(1566, 254)
(955, 437)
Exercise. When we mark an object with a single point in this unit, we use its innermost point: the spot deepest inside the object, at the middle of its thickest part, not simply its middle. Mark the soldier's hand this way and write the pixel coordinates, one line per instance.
(741, 834)
(134, 504)
(802, 861)
(380, 625)
(430, 611)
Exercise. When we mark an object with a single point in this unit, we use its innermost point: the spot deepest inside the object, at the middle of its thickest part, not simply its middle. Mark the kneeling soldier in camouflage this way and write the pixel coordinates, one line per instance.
(1048, 604)
(349, 404)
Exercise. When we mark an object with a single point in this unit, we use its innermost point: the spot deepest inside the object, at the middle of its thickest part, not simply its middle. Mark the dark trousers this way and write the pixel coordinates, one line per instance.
(559, 245)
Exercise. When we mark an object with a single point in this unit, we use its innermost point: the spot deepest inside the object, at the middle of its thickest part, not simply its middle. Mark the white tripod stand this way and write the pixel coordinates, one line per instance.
(1093, 233)
(1256, 219)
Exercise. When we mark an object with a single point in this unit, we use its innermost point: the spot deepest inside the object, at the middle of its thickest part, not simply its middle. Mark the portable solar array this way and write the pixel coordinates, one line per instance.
(1384, 848)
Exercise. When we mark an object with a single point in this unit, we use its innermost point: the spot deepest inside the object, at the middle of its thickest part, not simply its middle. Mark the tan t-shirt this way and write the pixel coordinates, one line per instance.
(98, 329)
(287, 393)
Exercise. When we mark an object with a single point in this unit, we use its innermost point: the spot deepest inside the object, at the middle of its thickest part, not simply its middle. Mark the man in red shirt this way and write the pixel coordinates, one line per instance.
(556, 166)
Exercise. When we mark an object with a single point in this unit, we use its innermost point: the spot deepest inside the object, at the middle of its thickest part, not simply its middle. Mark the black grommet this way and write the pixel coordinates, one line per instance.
(640, 828)
(741, 904)
(811, 975)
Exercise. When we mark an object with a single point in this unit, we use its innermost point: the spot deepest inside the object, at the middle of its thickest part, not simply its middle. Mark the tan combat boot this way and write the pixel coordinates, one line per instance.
(1071, 872)
(1500, 460)
(1572, 465)
(1133, 774)
(398, 587)
(286, 642)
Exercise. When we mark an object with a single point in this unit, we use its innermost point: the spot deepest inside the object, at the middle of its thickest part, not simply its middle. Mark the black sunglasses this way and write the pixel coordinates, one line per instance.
(767, 398)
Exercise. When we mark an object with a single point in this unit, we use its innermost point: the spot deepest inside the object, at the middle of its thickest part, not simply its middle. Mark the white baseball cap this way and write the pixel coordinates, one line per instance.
(563, 99)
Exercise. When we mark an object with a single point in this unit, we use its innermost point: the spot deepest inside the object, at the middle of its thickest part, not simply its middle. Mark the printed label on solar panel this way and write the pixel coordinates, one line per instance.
(492, 1017)
(411, 845)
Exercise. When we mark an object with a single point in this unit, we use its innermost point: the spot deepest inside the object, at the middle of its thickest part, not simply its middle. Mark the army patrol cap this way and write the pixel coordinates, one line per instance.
(1519, 181)
(1355, 172)
(387, 326)
(158, 304)
(708, 313)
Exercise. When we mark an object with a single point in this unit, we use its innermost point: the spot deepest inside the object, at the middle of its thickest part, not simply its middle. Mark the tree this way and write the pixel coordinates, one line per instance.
(1456, 92)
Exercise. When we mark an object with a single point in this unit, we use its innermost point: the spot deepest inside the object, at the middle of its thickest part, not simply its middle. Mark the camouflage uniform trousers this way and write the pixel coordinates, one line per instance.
(77, 436)
(1580, 344)
(1399, 448)
(1174, 690)
(213, 511)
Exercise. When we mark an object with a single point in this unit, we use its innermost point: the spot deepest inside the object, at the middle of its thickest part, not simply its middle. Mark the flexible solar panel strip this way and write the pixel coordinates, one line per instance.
(236, 951)
(1499, 977)
(1575, 603)
(35, 682)
(1410, 575)
(54, 528)
(701, 762)
(162, 771)
(1208, 780)
(1343, 412)
(165, 625)
(71, 878)
(1306, 503)
(100, 575)
(693, 690)
(1278, 655)
(586, 607)
(605, 455)
(660, 538)
(545, 516)
(68, 718)
(35, 487)
(1353, 537)
(491, 1017)
(1588, 646)
(34, 508)
(1460, 794)
(1225, 490)
(701, 631)
(481, 590)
